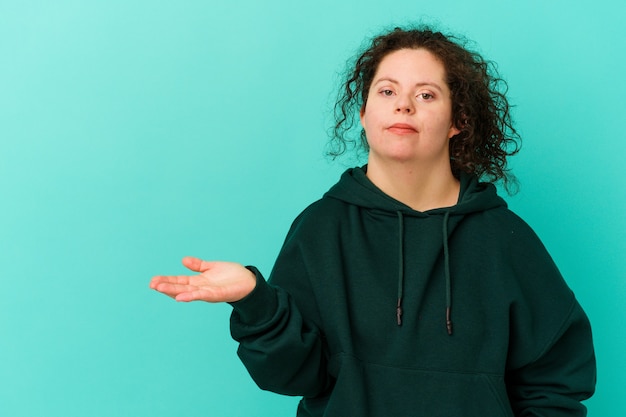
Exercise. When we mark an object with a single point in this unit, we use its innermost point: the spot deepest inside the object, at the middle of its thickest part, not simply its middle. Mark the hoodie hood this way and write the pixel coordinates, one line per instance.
(356, 189)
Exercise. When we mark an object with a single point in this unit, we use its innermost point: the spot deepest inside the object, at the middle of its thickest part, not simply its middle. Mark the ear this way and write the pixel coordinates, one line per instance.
(362, 114)
(453, 131)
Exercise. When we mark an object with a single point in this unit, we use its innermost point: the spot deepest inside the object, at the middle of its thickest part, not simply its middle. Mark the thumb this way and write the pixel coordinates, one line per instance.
(197, 264)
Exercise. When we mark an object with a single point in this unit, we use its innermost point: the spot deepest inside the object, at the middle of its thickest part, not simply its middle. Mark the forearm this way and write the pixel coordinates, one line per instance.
(556, 383)
(281, 350)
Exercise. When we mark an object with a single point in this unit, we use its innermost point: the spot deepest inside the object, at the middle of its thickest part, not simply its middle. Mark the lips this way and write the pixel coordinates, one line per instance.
(401, 129)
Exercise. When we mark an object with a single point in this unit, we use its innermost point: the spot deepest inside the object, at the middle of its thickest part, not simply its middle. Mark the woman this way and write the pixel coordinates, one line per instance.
(410, 289)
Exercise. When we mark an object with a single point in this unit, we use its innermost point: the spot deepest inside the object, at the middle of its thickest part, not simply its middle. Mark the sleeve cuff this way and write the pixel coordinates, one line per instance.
(260, 305)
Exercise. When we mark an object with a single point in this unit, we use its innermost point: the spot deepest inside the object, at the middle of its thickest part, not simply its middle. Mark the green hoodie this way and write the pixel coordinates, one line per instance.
(375, 309)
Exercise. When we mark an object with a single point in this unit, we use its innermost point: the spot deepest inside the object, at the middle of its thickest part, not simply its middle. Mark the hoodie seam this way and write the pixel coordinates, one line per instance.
(418, 368)
(563, 324)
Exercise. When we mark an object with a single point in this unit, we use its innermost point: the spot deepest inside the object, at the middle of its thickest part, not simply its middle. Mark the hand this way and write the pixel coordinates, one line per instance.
(217, 282)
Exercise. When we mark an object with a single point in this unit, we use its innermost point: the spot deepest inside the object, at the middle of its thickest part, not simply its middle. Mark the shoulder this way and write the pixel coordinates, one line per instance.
(511, 243)
(322, 209)
(521, 238)
(506, 227)
(320, 215)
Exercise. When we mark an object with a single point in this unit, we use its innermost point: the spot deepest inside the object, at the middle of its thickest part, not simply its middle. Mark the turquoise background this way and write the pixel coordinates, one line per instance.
(133, 133)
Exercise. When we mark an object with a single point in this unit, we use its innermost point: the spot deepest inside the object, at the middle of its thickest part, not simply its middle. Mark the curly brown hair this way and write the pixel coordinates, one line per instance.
(480, 109)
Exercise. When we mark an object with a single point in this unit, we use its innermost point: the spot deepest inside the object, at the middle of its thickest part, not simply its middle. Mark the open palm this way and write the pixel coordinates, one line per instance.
(216, 282)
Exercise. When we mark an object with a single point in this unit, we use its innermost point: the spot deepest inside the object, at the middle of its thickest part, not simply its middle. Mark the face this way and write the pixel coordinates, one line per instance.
(408, 114)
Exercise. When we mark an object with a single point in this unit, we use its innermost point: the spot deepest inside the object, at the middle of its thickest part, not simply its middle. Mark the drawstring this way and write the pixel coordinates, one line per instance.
(446, 261)
(400, 266)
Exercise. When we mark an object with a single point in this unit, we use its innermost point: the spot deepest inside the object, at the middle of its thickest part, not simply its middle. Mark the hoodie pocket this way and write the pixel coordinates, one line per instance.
(368, 389)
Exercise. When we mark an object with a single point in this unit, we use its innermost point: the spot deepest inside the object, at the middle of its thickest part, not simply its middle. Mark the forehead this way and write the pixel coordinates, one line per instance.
(411, 63)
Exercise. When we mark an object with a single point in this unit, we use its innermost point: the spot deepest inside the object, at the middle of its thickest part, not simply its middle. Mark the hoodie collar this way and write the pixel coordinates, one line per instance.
(355, 188)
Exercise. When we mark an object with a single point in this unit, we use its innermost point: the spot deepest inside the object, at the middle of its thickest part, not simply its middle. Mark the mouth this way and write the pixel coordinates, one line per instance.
(401, 129)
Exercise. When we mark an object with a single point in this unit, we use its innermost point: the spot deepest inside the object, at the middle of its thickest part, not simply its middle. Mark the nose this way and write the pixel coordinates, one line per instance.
(405, 105)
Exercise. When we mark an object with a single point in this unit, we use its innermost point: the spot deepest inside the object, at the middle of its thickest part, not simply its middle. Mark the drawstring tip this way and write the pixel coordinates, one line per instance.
(399, 315)
(448, 321)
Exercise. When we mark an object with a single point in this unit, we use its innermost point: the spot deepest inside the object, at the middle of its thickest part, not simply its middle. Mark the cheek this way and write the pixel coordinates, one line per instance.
(436, 122)
(442, 122)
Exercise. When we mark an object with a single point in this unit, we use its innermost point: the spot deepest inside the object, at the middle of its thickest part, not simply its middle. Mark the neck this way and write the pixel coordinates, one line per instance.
(421, 187)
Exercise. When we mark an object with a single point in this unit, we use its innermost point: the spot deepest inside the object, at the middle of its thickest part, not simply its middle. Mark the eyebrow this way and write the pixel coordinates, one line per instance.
(420, 84)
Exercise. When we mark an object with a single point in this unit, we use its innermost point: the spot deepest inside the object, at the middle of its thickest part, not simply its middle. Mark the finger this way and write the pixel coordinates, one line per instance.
(197, 264)
(188, 296)
(170, 279)
(199, 295)
(174, 290)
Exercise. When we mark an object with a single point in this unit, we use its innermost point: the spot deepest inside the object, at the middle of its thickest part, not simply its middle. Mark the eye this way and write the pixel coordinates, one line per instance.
(425, 96)
(386, 92)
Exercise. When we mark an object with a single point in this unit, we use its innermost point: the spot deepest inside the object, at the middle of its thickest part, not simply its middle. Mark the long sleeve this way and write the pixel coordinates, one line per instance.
(551, 363)
(562, 376)
(280, 343)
